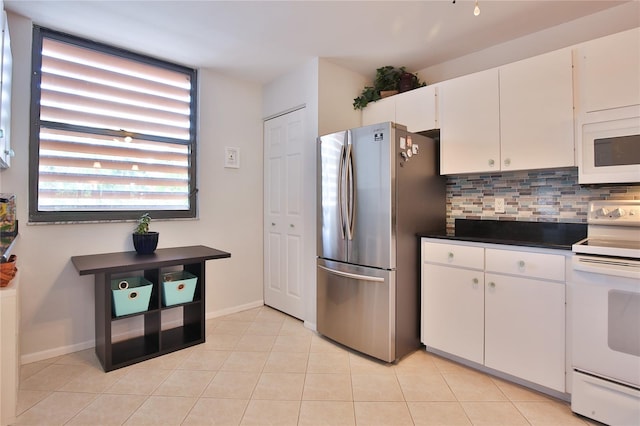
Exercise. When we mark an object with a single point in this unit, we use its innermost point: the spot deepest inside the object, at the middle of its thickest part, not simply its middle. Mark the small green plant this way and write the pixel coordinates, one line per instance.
(387, 78)
(143, 224)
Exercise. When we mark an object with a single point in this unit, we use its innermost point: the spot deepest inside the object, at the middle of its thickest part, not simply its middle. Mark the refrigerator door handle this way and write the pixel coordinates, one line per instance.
(352, 276)
(341, 202)
(351, 193)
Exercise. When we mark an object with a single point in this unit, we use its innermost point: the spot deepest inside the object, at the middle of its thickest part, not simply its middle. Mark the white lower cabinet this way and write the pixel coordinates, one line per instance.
(453, 310)
(508, 315)
(524, 329)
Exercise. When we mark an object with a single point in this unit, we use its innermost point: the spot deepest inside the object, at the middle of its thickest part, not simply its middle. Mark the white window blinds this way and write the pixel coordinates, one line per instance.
(115, 133)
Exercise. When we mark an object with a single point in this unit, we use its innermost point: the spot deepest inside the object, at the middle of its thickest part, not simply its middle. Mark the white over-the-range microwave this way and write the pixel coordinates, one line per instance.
(609, 146)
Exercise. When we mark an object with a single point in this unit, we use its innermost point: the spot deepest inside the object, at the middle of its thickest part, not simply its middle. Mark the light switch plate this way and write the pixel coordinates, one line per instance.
(499, 206)
(232, 157)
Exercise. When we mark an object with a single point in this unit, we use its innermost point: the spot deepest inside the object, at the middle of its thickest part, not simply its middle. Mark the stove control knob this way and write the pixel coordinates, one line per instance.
(602, 212)
(618, 213)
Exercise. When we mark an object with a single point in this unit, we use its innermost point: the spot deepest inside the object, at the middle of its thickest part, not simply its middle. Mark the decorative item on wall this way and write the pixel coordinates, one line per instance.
(145, 241)
(389, 81)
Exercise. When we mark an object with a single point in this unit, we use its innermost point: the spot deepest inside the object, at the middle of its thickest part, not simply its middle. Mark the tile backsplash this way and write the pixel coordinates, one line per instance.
(536, 196)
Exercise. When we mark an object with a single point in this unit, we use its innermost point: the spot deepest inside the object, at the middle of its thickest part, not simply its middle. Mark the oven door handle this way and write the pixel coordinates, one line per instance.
(607, 266)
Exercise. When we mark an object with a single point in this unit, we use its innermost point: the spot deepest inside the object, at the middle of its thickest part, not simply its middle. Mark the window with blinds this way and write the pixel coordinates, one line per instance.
(113, 133)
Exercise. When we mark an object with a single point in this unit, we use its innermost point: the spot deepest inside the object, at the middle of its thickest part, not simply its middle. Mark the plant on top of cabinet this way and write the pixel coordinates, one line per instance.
(145, 241)
(389, 81)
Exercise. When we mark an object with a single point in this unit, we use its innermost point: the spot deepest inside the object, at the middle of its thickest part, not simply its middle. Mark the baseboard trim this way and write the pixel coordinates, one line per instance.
(59, 351)
(235, 309)
(65, 350)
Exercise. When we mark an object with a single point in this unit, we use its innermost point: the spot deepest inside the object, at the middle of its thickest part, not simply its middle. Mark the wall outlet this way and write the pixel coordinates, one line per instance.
(499, 205)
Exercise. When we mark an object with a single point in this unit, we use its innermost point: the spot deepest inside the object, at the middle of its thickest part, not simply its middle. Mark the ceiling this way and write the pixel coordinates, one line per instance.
(260, 40)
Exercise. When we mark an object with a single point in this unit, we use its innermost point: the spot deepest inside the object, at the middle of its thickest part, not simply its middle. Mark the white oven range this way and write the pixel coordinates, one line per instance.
(605, 305)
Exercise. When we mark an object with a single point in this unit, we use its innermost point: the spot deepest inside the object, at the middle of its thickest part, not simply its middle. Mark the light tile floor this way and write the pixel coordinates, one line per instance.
(261, 367)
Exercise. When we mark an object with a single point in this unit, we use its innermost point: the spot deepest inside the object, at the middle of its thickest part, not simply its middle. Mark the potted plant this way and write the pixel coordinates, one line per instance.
(145, 241)
(389, 81)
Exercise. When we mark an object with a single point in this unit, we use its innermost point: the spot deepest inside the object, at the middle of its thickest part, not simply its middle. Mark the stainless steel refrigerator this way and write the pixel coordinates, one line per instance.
(377, 187)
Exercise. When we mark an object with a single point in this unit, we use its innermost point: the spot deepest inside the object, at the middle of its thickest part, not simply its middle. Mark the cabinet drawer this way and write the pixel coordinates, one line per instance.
(533, 265)
(453, 255)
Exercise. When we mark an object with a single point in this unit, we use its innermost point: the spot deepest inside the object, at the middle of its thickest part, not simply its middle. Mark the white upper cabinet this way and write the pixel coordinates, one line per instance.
(536, 113)
(415, 109)
(608, 72)
(516, 117)
(379, 111)
(469, 115)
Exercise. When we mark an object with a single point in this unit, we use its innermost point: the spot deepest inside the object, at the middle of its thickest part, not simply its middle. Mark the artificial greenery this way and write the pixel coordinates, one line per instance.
(143, 224)
(387, 78)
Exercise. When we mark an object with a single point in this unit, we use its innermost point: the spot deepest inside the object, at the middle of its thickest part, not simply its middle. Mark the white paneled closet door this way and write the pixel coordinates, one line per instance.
(283, 215)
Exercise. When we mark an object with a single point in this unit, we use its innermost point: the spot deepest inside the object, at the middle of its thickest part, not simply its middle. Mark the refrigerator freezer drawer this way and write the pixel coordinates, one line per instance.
(356, 307)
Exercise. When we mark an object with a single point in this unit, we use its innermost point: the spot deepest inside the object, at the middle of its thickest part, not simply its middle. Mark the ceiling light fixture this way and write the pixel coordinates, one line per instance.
(476, 10)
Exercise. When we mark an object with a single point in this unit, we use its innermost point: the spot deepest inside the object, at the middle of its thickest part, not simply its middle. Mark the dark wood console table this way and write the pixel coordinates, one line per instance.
(155, 340)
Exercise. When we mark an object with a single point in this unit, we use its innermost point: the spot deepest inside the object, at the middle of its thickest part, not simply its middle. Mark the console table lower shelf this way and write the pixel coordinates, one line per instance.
(156, 338)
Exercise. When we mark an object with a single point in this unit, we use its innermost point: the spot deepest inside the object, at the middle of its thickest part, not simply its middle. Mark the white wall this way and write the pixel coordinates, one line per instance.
(57, 314)
(610, 21)
(292, 90)
(327, 91)
(338, 87)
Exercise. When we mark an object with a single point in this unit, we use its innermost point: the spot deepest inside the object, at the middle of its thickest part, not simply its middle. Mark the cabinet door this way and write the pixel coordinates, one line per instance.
(468, 109)
(416, 109)
(379, 111)
(536, 112)
(525, 329)
(284, 238)
(453, 310)
(607, 71)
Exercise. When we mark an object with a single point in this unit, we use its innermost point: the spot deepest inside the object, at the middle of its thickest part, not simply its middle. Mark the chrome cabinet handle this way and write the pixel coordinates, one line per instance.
(491, 162)
(475, 283)
(507, 162)
(450, 255)
(521, 264)
(273, 224)
(492, 284)
(291, 225)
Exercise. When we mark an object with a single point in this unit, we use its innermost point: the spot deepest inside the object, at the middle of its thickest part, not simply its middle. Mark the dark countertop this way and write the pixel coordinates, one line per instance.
(553, 235)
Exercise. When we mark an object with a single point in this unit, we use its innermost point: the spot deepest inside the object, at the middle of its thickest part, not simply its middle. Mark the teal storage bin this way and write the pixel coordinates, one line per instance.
(130, 295)
(178, 287)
